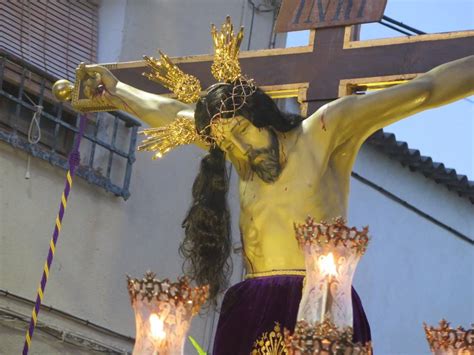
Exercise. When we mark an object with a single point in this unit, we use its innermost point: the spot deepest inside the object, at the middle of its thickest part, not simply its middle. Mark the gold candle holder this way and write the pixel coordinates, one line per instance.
(323, 338)
(324, 322)
(163, 313)
(445, 340)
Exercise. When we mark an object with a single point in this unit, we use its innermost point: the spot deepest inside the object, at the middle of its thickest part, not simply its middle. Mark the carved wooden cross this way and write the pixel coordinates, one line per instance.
(332, 63)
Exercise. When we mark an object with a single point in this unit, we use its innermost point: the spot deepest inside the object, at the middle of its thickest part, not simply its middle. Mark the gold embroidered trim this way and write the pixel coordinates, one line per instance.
(270, 343)
(275, 273)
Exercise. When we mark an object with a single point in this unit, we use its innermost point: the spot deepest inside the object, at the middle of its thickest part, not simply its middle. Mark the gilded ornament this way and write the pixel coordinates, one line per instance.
(161, 140)
(62, 90)
(323, 338)
(270, 343)
(335, 233)
(226, 65)
(179, 293)
(445, 338)
(82, 98)
(186, 87)
(225, 68)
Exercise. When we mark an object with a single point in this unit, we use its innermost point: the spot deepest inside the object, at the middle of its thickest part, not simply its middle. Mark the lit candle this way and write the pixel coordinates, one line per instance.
(328, 269)
(156, 327)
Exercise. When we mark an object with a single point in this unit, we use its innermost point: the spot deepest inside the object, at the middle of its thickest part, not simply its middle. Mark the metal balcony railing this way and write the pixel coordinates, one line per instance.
(108, 148)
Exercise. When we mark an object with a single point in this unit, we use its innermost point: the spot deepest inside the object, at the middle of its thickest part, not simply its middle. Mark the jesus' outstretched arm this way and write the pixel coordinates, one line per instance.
(356, 117)
(155, 110)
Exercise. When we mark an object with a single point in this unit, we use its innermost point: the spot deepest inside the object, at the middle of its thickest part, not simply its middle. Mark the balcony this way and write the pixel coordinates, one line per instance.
(108, 146)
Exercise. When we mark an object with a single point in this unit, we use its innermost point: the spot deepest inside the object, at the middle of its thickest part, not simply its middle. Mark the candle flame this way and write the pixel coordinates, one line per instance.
(156, 327)
(328, 265)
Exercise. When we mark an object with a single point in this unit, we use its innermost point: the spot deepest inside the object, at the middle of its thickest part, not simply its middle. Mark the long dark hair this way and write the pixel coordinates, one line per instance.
(207, 243)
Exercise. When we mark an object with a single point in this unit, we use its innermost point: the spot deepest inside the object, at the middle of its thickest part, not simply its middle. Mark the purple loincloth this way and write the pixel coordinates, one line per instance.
(252, 307)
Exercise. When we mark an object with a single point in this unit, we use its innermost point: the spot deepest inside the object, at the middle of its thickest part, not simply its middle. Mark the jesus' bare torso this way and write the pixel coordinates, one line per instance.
(316, 157)
(313, 182)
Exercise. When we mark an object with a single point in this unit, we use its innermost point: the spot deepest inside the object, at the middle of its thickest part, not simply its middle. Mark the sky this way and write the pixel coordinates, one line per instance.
(446, 133)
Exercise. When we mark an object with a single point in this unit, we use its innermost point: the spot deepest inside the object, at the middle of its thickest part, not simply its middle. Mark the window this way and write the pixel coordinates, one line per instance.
(53, 35)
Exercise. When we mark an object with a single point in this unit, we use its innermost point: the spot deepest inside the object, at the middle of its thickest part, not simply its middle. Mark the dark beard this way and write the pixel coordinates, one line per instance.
(265, 162)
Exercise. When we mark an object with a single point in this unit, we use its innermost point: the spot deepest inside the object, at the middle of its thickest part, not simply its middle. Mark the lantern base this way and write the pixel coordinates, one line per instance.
(323, 338)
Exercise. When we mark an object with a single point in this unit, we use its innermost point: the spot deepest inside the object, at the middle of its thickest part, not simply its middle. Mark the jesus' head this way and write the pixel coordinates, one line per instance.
(243, 122)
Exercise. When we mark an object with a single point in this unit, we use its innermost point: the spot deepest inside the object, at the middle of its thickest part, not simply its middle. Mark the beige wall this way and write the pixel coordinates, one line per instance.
(414, 271)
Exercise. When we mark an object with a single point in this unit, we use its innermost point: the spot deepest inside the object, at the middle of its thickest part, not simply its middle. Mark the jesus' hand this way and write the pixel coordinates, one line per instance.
(99, 85)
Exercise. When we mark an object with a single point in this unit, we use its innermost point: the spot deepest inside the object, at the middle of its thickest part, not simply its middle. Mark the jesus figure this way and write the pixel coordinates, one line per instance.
(290, 168)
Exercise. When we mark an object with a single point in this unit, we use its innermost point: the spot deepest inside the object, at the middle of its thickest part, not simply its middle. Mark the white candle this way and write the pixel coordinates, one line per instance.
(325, 298)
(327, 266)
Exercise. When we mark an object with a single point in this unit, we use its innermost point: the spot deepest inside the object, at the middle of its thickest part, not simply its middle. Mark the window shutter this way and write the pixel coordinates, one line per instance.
(54, 35)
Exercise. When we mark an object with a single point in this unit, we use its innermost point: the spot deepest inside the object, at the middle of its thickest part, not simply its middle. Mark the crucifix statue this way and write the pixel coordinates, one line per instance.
(290, 166)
